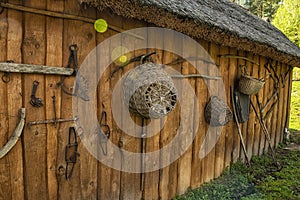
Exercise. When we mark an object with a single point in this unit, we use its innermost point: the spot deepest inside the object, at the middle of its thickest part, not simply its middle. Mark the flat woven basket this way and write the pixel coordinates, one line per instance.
(217, 113)
(149, 91)
(249, 85)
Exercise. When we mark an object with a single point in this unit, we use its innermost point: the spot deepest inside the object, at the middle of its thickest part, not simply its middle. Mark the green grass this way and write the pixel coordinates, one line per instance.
(265, 181)
(295, 102)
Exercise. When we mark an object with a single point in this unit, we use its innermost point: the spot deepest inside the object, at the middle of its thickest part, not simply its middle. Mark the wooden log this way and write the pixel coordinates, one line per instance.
(269, 87)
(279, 129)
(151, 185)
(289, 93)
(211, 136)
(259, 101)
(168, 177)
(33, 52)
(70, 189)
(201, 93)
(108, 178)
(220, 147)
(54, 38)
(232, 140)
(286, 101)
(86, 42)
(272, 118)
(132, 184)
(35, 69)
(187, 125)
(61, 15)
(226, 137)
(250, 127)
(256, 126)
(14, 99)
(244, 126)
(5, 186)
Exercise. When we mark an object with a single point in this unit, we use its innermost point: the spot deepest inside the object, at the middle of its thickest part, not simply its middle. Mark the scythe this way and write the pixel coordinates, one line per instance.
(15, 136)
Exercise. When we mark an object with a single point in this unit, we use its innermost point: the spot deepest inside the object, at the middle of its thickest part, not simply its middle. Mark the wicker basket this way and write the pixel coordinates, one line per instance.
(249, 85)
(217, 113)
(149, 91)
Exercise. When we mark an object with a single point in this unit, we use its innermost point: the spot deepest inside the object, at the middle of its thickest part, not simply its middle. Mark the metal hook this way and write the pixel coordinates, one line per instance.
(6, 77)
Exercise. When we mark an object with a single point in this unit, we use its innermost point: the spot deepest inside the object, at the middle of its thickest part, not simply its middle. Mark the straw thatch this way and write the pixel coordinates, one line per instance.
(220, 21)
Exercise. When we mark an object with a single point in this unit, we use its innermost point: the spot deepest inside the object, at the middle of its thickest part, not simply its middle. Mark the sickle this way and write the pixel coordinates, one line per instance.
(15, 136)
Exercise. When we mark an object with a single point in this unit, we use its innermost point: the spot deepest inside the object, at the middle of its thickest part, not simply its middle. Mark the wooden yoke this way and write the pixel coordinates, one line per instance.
(15, 136)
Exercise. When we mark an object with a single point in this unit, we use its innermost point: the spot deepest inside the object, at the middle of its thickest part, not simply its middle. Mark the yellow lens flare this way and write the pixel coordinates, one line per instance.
(100, 25)
(120, 55)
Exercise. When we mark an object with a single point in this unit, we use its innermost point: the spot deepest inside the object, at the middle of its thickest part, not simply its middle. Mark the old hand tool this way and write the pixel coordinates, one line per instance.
(35, 102)
(15, 136)
(51, 121)
(81, 85)
(238, 126)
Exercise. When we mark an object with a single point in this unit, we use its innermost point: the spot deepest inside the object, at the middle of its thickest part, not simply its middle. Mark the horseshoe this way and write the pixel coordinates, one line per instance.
(15, 136)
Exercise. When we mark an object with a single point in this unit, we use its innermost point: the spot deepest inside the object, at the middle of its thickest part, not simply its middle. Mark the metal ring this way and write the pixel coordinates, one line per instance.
(6, 77)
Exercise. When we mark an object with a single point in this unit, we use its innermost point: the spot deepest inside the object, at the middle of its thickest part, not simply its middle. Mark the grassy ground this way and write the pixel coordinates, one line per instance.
(264, 182)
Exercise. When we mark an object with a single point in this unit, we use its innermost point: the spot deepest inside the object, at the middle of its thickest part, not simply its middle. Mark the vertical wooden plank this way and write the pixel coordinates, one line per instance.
(261, 97)
(151, 186)
(54, 39)
(33, 51)
(214, 51)
(168, 175)
(221, 145)
(289, 92)
(74, 32)
(206, 176)
(286, 100)
(201, 93)
(249, 140)
(244, 126)
(232, 137)
(5, 186)
(265, 144)
(14, 91)
(86, 44)
(186, 126)
(273, 118)
(108, 178)
(209, 160)
(228, 74)
(279, 130)
(256, 126)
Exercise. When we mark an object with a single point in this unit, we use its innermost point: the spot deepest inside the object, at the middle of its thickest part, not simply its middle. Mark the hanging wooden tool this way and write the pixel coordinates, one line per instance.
(238, 126)
(15, 136)
(51, 121)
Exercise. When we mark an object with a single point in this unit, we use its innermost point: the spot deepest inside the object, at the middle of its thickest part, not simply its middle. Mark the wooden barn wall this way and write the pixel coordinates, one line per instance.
(35, 167)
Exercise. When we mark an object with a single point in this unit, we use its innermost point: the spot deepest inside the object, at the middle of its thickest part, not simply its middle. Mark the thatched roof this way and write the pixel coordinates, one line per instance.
(220, 21)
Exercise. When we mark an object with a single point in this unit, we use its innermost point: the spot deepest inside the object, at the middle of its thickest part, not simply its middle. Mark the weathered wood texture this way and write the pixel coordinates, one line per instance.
(35, 167)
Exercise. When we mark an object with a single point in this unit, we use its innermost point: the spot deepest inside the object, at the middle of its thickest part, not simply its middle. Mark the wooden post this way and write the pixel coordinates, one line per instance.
(14, 89)
(201, 92)
(33, 52)
(220, 147)
(187, 120)
(54, 38)
(5, 187)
